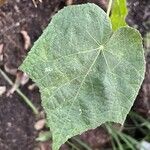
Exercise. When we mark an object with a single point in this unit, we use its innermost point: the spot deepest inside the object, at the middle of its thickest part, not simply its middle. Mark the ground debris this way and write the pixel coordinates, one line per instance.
(32, 87)
(11, 71)
(2, 90)
(69, 2)
(1, 48)
(15, 16)
(35, 3)
(39, 125)
(27, 40)
(1, 52)
(21, 79)
(2, 2)
(24, 78)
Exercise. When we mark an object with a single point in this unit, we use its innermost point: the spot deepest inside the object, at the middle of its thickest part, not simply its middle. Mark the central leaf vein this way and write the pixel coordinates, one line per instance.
(82, 82)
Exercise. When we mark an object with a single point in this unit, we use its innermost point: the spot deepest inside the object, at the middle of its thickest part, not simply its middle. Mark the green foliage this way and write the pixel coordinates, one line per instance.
(87, 74)
(125, 139)
(44, 136)
(119, 12)
(120, 140)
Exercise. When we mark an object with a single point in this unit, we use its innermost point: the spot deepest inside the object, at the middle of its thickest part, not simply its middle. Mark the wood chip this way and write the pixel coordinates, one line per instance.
(69, 2)
(2, 90)
(1, 48)
(27, 40)
(34, 2)
(40, 124)
(1, 58)
(1, 52)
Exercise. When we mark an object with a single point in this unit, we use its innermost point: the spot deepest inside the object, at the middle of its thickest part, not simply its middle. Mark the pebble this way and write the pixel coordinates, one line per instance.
(40, 124)
(2, 90)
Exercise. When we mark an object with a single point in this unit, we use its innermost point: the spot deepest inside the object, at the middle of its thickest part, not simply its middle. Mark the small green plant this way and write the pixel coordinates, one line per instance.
(125, 139)
(119, 11)
(87, 74)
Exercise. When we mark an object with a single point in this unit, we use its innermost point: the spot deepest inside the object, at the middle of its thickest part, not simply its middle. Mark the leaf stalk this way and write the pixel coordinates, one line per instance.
(109, 7)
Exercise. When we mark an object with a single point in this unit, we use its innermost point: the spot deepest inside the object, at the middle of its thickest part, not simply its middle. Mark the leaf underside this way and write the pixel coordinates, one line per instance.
(87, 74)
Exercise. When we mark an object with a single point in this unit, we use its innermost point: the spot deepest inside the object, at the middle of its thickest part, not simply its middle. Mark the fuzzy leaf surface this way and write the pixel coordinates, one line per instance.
(87, 74)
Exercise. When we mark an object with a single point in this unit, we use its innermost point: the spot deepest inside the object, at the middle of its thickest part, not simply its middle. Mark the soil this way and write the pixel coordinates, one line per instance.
(16, 119)
(139, 17)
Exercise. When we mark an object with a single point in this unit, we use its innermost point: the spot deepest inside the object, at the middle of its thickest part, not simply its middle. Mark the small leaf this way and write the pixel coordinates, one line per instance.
(86, 74)
(44, 136)
(119, 12)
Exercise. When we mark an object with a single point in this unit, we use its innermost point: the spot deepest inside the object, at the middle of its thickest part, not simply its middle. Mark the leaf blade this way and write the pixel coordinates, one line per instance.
(71, 64)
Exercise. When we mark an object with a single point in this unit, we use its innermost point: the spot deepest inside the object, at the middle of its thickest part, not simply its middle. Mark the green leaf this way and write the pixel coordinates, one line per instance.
(119, 12)
(86, 74)
(44, 136)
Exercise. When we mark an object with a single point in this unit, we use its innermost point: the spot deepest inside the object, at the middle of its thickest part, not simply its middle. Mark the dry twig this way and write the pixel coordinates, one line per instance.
(2, 90)
(1, 52)
(27, 40)
(34, 2)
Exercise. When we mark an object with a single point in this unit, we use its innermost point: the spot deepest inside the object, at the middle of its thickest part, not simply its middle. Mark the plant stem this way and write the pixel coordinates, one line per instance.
(73, 145)
(109, 7)
(26, 100)
(82, 143)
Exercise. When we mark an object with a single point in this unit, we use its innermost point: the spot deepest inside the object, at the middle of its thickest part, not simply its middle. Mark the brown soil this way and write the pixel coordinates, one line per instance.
(16, 122)
(16, 119)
